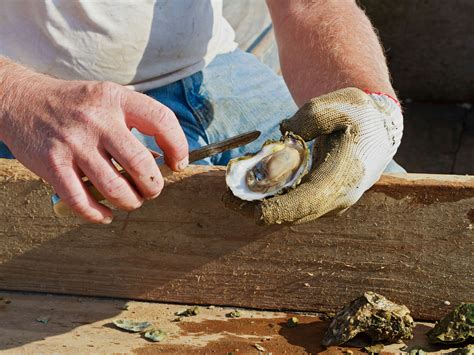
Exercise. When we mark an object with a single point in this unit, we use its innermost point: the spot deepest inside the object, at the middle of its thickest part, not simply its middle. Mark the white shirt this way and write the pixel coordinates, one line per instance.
(141, 43)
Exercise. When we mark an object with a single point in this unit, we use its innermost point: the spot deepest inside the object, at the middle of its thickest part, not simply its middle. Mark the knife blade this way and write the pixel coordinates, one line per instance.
(61, 209)
(219, 147)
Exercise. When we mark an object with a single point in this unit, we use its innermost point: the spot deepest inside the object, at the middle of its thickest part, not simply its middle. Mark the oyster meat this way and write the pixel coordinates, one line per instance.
(277, 167)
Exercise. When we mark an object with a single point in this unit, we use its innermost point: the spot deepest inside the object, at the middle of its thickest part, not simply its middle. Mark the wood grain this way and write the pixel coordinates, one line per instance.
(410, 238)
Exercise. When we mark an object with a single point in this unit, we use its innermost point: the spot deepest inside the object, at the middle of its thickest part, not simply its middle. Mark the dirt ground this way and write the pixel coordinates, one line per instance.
(40, 323)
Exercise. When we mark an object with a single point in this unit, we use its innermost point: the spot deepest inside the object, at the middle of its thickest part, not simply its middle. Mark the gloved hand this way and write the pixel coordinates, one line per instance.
(357, 136)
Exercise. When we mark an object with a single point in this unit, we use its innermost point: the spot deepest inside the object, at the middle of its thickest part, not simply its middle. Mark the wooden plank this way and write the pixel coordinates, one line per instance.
(80, 325)
(409, 238)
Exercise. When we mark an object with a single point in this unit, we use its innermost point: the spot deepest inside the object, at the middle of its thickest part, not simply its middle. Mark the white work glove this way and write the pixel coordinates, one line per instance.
(357, 134)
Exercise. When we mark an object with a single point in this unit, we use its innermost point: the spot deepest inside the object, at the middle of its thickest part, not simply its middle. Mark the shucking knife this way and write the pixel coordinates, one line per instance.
(61, 209)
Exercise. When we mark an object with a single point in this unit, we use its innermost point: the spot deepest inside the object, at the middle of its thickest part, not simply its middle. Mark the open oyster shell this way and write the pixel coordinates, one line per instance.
(277, 167)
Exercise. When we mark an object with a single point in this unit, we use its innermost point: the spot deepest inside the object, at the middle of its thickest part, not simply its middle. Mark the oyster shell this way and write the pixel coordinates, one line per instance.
(131, 326)
(277, 167)
(155, 335)
(374, 315)
(456, 327)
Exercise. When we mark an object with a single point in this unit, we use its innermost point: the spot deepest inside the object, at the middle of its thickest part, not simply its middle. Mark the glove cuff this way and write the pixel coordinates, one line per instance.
(367, 91)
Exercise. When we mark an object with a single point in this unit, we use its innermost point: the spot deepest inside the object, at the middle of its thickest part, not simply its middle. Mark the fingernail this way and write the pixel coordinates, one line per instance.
(183, 163)
(107, 220)
(154, 196)
(140, 203)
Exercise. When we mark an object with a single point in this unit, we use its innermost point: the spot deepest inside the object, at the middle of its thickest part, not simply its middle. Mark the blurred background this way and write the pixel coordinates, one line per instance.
(429, 45)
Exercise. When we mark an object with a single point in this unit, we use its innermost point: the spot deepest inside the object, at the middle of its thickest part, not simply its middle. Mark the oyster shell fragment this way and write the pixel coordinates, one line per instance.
(277, 167)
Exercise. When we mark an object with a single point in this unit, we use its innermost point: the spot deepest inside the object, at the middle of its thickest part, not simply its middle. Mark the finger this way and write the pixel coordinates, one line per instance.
(292, 206)
(334, 183)
(112, 185)
(305, 204)
(138, 161)
(152, 118)
(325, 114)
(70, 187)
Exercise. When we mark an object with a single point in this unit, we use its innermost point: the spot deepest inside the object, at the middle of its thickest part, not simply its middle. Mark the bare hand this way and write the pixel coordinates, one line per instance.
(63, 130)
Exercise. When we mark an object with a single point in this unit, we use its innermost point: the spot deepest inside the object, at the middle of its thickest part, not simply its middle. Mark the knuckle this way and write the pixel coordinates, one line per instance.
(81, 116)
(56, 164)
(183, 148)
(76, 202)
(93, 95)
(178, 147)
(162, 113)
(79, 204)
(99, 89)
(139, 161)
(75, 143)
(115, 187)
(118, 191)
(108, 92)
(106, 86)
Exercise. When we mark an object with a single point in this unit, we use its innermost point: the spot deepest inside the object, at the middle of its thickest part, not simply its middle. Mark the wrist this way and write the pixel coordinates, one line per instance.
(386, 94)
(18, 86)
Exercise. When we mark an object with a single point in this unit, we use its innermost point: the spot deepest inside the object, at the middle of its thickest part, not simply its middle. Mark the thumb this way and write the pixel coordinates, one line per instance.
(325, 114)
(155, 119)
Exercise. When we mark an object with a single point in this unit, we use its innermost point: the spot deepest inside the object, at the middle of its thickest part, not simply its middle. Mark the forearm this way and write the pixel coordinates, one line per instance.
(325, 45)
(12, 77)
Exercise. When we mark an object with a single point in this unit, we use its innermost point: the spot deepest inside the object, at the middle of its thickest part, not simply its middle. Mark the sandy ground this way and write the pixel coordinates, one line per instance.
(84, 325)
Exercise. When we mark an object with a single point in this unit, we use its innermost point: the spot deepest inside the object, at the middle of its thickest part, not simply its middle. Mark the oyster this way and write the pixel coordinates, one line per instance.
(374, 315)
(277, 167)
(456, 327)
(155, 335)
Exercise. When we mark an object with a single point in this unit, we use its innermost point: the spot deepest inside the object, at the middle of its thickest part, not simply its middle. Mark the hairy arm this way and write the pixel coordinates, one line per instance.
(8, 70)
(325, 45)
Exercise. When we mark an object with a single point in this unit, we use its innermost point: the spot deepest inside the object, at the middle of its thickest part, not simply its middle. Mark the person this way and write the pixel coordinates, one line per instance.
(82, 82)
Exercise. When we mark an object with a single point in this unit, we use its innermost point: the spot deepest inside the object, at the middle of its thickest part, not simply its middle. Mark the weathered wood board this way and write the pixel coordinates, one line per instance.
(410, 238)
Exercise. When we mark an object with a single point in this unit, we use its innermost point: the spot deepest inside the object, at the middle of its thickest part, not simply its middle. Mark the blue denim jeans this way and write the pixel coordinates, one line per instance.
(234, 94)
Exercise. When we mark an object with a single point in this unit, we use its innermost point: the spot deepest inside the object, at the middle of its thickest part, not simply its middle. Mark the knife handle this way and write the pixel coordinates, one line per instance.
(61, 209)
